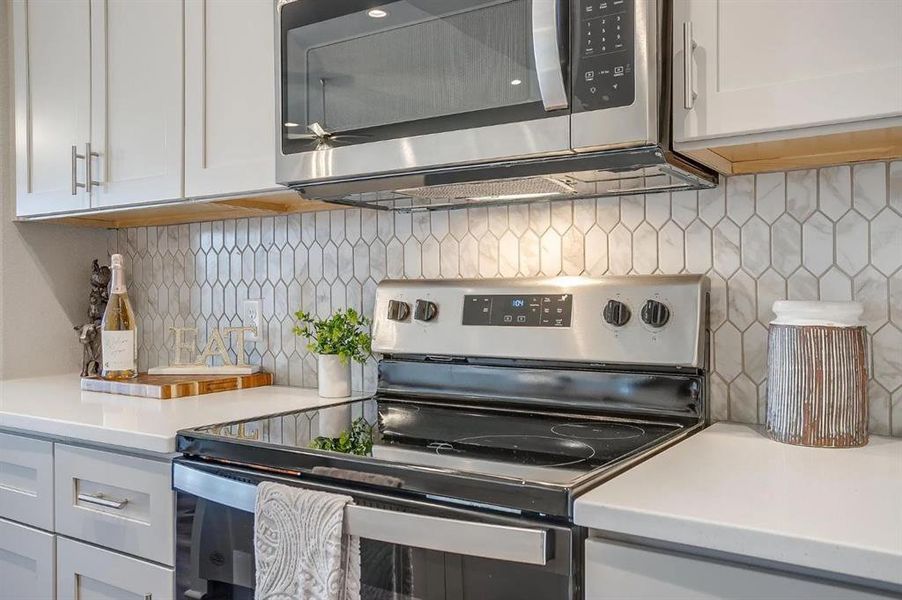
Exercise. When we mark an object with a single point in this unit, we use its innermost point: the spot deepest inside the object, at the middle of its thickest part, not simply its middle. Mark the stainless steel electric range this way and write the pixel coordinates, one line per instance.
(498, 402)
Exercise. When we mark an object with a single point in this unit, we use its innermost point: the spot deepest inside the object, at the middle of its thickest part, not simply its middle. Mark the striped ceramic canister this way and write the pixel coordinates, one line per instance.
(817, 392)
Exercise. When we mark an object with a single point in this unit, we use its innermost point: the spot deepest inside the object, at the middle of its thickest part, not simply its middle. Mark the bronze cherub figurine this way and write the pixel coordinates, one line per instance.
(89, 333)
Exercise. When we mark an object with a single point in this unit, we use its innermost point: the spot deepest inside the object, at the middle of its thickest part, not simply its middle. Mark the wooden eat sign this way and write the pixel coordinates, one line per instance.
(189, 362)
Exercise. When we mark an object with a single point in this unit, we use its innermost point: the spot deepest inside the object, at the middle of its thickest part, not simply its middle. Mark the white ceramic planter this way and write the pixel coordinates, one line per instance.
(334, 420)
(334, 377)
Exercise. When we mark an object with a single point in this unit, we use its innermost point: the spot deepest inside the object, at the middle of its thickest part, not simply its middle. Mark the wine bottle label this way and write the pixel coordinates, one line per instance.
(118, 350)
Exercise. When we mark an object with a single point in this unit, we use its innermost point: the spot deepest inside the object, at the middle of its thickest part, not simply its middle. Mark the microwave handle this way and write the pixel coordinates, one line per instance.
(498, 542)
(546, 36)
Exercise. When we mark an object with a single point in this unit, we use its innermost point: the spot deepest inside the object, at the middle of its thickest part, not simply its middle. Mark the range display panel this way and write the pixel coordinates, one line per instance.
(518, 310)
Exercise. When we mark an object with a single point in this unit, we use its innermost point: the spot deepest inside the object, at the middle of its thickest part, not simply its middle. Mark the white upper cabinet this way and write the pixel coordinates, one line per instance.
(104, 77)
(229, 103)
(773, 65)
(52, 58)
(136, 123)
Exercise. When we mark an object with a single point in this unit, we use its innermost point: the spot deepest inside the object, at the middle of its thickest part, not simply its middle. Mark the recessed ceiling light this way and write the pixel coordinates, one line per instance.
(377, 13)
(516, 82)
(290, 124)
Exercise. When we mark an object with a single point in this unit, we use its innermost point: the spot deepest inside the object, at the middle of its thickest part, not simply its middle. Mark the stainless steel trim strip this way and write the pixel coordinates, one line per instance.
(228, 492)
(101, 500)
(547, 55)
(547, 136)
(486, 540)
(689, 46)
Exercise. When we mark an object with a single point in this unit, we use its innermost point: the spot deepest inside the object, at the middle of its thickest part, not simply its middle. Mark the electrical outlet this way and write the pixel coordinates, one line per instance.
(251, 317)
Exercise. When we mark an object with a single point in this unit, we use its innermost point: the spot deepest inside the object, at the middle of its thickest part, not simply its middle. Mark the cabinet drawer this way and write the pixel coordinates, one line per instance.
(26, 480)
(621, 571)
(89, 573)
(26, 562)
(119, 502)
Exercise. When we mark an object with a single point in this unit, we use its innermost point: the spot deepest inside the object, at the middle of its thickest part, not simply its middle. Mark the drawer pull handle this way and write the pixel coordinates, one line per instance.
(100, 500)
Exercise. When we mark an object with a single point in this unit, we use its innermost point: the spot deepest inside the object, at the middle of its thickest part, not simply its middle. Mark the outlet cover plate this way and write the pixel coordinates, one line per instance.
(251, 317)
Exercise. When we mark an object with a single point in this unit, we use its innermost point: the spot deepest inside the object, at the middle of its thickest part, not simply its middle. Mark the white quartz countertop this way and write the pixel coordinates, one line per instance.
(731, 489)
(56, 406)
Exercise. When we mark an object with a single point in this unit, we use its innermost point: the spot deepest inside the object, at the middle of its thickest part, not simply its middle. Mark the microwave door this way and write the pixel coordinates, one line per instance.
(370, 88)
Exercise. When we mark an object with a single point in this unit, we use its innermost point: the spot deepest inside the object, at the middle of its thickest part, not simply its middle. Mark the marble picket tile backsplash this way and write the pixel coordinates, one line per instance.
(831, 234)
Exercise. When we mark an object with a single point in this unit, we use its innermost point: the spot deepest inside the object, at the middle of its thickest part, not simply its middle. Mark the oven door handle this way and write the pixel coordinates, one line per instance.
(499, 542)
(546, 47)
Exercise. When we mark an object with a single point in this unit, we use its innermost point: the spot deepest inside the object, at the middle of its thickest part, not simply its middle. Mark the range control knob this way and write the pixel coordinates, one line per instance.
(398, 310)
(616, 313)
(425, 310)
(655, 314)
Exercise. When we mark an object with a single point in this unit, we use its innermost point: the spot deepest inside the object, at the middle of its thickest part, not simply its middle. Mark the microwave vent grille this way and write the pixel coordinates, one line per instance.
(489, 191)
(621, 173)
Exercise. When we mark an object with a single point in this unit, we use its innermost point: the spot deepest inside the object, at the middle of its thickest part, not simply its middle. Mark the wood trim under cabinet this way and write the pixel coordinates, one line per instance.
(802, 153)
(194, 211)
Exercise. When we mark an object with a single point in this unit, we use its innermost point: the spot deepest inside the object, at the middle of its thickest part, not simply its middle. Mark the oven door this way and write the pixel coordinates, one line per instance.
(409, 549)
(369, 87)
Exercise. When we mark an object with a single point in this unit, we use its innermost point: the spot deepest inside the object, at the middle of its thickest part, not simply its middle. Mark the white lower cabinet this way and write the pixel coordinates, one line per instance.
(122, 506)
(86, 572)
(621, 571)
(26, 563)
(116, 501)
(26, 480)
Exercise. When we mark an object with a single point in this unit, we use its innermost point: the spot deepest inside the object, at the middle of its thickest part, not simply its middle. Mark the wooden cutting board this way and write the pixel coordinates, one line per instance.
(168, 387)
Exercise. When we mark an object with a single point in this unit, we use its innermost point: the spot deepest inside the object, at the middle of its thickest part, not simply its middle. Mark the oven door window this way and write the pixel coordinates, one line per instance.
(358, 71)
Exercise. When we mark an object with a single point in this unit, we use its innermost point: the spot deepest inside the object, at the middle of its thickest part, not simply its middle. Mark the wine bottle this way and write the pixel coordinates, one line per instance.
(118, 331)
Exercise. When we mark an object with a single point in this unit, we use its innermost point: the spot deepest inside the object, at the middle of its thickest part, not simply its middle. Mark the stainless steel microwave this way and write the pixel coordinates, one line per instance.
(447, 103)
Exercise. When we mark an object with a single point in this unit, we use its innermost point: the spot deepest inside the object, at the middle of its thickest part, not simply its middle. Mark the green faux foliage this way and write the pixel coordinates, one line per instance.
(356, 440)
(343, 334)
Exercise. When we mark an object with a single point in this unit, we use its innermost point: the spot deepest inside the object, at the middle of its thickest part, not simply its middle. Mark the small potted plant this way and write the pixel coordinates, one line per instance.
(336, 341)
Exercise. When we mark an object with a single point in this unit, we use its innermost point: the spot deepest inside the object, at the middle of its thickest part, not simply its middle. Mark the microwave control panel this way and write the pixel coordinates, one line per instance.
(604, 54)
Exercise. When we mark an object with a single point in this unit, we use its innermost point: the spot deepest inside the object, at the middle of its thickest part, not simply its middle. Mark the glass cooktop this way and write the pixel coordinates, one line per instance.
(525, 446)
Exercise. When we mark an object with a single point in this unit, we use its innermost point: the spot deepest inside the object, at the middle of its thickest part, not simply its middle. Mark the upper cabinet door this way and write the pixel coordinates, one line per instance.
(137, 73)
(767, 65)
(52, 54)
(229, 96)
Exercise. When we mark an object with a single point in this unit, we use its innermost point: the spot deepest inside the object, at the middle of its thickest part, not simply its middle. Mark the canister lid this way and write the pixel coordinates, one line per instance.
(830, 314)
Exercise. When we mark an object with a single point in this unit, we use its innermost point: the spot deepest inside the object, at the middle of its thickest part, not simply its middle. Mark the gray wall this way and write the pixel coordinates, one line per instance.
(833, 234)
(44, 269)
